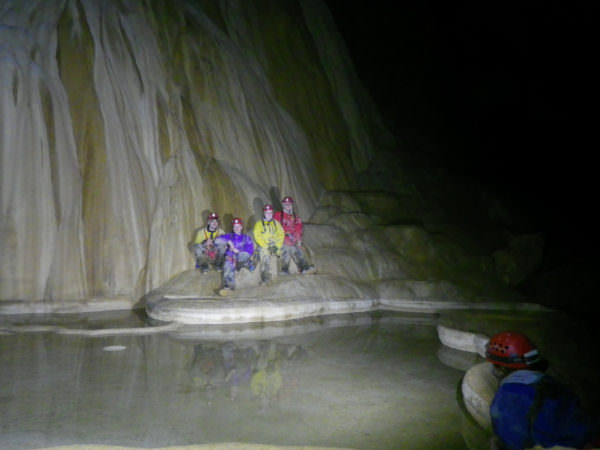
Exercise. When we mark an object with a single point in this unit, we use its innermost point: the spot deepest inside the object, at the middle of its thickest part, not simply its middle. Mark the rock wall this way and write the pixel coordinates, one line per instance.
(124, 122)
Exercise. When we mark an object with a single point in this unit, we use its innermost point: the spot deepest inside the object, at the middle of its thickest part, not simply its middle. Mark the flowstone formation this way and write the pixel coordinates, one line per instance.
(123, 122)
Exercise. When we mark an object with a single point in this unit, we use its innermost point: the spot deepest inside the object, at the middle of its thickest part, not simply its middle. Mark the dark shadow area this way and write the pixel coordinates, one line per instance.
(257, 206)
(499, 97)
(275, 196)
(225, 222)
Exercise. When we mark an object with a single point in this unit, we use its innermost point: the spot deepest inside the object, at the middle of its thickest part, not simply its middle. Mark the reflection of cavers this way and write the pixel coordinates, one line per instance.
(268, 234)
(266, 382)
(292, 244)
(530, 407)
(230, 366)
(204, 246)
(240, 249)
(215, 367)
(206, 370)
(238, 368)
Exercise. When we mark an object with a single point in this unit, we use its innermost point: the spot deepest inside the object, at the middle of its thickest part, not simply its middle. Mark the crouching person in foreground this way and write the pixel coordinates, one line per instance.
(292, 244)
(238, 254)
(530, 407)
(268, 234)
(205, 248)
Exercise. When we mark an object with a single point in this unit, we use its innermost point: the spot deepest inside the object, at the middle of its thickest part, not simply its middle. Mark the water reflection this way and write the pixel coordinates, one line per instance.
(234, 365)
(360, 381)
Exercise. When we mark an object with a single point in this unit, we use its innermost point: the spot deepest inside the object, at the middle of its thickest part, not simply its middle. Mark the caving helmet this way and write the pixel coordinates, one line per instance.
(213, 216)
(237, 220)
(511, 349)
(287, 199)
(267, 207)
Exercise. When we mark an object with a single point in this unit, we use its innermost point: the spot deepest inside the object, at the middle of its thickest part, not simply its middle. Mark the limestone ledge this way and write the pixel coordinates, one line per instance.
(89, 305)
(216, 446)
(190, 298)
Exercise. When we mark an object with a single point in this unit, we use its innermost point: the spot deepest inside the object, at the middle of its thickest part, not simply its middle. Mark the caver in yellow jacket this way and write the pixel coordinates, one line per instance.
(268, 234)
(204, 234)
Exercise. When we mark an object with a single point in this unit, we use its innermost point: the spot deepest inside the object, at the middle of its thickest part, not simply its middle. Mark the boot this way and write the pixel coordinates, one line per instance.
(225, 291)
(308, 269)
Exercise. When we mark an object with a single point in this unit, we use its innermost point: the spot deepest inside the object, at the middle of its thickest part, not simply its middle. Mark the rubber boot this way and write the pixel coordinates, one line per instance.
(225, 291)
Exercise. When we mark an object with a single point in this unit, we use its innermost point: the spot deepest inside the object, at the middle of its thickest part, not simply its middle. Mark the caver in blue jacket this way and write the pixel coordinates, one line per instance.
(531, 408)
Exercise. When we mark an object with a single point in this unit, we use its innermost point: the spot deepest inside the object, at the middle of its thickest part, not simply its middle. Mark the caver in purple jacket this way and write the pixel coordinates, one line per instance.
(242, 242)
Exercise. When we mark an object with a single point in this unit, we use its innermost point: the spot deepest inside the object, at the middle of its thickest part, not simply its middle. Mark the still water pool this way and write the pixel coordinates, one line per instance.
(359, 381)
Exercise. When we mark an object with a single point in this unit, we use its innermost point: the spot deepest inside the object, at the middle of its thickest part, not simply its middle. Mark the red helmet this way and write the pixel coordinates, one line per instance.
(237, 220)
(511, 349)
(213, 216)
(287, 200)
(267, 207)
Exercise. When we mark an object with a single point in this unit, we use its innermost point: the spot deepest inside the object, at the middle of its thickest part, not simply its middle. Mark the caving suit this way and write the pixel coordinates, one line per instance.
(292, 243)
(235, 261)
(206, 250)
(269, 237)
(531, 408)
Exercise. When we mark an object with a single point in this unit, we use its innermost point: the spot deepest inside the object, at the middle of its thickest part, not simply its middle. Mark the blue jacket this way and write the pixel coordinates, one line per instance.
(531, 408)
(242, 242)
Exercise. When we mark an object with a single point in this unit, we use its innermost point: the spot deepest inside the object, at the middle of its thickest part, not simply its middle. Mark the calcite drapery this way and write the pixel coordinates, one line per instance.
(123, 122)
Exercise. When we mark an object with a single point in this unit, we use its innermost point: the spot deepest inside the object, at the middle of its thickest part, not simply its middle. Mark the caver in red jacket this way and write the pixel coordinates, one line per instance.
(292, 225)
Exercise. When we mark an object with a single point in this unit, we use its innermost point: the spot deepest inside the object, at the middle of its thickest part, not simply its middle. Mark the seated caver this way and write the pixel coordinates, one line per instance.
(268, 234)
(530, 407)
(238, 254)
(206, 249)
(292, 243)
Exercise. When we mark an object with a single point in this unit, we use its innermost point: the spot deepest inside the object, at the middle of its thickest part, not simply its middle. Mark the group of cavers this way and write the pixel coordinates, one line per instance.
(276, 234)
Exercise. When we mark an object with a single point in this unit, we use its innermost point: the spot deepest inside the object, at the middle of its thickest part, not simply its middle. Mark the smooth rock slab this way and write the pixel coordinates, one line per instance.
(213, 311)
(185, 300)
(478, 388)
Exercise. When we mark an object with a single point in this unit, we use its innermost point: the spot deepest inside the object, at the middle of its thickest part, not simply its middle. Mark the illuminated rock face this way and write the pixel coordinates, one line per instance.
(124, 122)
